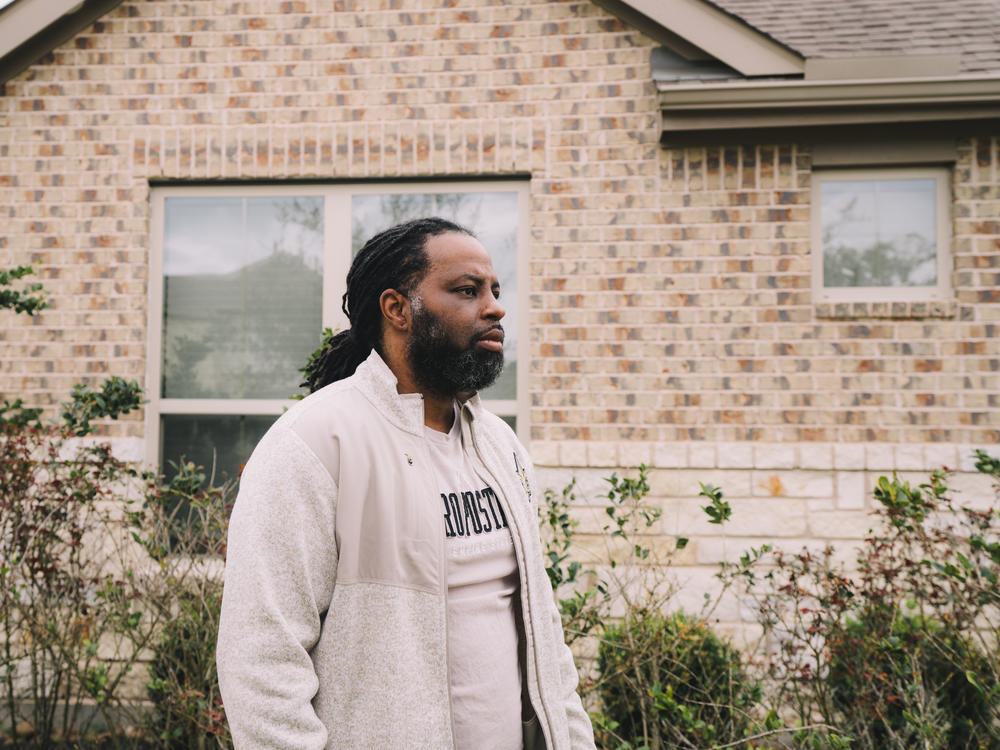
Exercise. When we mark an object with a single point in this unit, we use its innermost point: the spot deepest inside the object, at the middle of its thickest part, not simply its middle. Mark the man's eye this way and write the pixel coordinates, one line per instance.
(468, 291)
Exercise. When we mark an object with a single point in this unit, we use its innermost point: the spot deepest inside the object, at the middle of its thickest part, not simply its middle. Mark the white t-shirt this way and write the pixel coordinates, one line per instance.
(482, 586)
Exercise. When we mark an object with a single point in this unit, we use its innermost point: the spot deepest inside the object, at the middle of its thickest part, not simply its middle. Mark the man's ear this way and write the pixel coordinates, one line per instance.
(395, 308)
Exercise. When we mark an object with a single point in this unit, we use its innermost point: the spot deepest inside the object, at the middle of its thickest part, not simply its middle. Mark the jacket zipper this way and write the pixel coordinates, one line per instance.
(522, 574)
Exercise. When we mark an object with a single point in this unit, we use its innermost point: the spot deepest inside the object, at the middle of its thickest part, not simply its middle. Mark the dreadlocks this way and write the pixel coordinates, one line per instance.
(393, 259)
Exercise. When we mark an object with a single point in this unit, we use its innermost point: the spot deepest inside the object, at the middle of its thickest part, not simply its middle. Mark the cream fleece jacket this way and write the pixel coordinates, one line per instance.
(332, 632)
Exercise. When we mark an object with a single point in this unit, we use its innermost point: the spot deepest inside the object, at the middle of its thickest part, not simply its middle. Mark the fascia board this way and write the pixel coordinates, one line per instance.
(723, 36)
(744, 105)
(25, 18)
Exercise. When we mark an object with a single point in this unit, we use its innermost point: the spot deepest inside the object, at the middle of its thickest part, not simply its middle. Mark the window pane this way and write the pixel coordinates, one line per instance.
(223, 442)
(879, 232)
(492, 217)
(242, 295)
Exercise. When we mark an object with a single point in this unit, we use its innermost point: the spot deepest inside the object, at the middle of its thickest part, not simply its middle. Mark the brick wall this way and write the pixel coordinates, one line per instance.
(690, 317)
(670, 303)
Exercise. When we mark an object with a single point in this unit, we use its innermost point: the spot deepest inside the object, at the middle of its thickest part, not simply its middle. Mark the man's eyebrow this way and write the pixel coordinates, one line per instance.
(474, 278)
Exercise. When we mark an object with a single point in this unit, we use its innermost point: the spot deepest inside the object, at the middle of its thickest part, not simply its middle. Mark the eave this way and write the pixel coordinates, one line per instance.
(30, 29)
(696, 111)
(696, 28)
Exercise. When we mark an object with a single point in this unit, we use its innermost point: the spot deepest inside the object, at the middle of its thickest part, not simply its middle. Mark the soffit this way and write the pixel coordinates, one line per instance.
(707, 110)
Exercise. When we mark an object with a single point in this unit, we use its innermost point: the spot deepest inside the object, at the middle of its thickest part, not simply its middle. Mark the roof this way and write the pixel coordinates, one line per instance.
(849, 28)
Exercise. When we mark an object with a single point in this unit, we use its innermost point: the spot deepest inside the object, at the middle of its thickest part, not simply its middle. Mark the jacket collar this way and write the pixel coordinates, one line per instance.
(405, 410)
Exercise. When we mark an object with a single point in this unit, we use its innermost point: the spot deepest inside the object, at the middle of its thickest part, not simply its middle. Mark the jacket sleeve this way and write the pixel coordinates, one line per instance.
(280, 571)
(581, 732)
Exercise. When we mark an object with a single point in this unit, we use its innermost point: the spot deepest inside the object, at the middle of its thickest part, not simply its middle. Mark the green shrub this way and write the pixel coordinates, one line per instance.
(901, 650)
(183, 685)
(669, 681)
(897, 678)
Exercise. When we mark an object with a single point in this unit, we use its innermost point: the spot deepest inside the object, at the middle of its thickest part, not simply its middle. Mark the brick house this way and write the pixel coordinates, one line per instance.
(753, 242)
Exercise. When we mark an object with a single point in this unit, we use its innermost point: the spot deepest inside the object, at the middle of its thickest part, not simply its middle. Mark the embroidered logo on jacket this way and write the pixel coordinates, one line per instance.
(522, 475)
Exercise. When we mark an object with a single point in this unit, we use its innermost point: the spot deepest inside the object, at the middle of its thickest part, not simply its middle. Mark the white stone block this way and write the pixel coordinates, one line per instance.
(774, 456)
(690, 596)
(685, 518)
(767, 517)
(716, 549)
(734, 483)
(590, 519)
(879, 457)
(573, 453)
(973, 491)
(818, 484)
(554, 478)
(592, 484)
(735, 455)
(938, 456)
(816, 456)
(633, 454)
(909, 457)
(849, 456)
(851, 490)
(701, 456)
(839, 524)
(673, 483)
(967, 456)
(131, 449)
(544, 453)
(603, 454)
(670, 455)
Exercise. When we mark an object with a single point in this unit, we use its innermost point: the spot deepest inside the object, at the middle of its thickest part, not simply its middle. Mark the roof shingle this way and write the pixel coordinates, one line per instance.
(848, 28)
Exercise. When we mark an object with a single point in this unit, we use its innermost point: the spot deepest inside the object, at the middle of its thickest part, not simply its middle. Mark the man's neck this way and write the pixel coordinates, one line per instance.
(439, 412)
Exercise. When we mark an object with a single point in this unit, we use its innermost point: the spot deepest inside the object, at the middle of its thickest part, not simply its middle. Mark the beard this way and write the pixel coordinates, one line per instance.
(444, 367)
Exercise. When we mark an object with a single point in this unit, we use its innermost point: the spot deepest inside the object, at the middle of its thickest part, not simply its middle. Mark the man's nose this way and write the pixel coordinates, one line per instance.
(493, 308)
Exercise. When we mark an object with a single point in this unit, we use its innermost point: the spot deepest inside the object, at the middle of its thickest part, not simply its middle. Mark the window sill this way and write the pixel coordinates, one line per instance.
(899, 309)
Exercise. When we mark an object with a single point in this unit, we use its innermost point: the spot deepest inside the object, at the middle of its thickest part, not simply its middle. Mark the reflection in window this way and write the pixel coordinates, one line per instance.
(879, 232)
(242, 295)
(492, 217)
(221, 443)
(247, 275)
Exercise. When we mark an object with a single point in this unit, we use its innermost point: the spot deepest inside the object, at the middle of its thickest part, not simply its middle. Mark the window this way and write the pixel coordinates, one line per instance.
(881, 235)
(244, 279)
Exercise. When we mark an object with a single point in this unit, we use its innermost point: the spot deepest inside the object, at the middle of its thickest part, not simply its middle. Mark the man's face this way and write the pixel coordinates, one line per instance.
(456, 340)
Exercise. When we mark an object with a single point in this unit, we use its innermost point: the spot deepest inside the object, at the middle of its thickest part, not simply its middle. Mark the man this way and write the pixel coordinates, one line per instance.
(384, 583)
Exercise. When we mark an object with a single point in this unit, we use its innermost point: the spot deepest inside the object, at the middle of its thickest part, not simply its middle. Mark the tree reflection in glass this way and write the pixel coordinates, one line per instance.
(879, 233)
(242, 295)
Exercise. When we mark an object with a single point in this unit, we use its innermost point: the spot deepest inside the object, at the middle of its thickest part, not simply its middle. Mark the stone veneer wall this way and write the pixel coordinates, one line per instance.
(789, 496)
(670, 302)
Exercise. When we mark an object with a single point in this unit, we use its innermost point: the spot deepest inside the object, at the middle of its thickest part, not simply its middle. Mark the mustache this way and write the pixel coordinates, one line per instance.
(485, 331)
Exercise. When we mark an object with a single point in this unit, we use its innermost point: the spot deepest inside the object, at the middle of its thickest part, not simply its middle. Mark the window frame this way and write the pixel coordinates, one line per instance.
(336, 262)
(941, 291)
